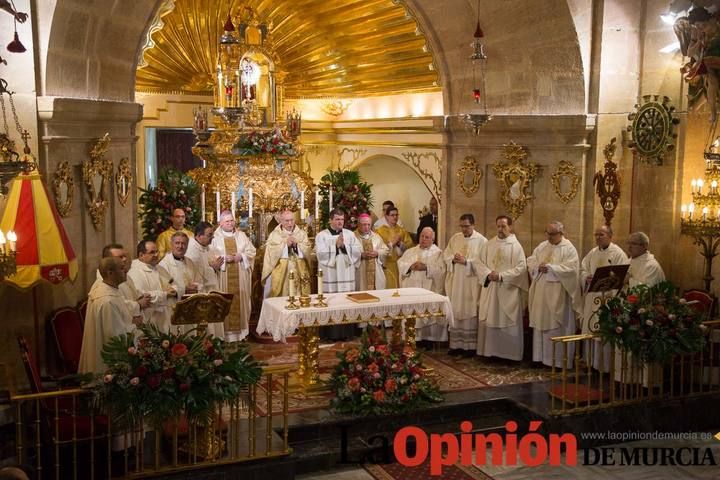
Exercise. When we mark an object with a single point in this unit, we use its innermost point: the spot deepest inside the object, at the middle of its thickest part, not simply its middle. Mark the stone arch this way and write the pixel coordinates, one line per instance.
(534, 62)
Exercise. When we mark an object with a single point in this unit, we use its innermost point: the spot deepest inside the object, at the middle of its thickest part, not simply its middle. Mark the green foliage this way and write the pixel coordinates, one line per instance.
(350, 193)
(653, 323)
(375, 379)
(158, 376)
(173, 190)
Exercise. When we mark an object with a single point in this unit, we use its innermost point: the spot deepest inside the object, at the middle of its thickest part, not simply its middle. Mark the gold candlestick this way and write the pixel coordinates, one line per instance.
(320, 298)
(291, 298)
(305, 287)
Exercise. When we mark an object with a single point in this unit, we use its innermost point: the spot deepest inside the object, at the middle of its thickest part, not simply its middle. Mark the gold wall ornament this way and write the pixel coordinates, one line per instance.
(469, 176)
(335, 108)
(607, 184)
(123, 180)
(652, 129)
(515, 178)
(356, 153)
(565, 181)
(415, 160)
(63, 187)
(97, 173)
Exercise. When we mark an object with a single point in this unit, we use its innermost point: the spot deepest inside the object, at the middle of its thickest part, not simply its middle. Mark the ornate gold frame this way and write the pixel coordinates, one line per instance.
(63, 175)
(123, 180)
(97, 201)
(565, 169)
(470, 166)
(515, 178)
(607, 184)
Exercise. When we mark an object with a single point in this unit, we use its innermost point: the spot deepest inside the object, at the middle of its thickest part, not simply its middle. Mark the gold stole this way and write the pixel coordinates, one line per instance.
(370, 265)
(279, 276)
(233, 321)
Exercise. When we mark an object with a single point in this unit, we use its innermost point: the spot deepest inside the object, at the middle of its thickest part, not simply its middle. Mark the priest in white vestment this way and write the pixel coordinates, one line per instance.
(502, 271)
(554, 299)
(133, 300)
(423, 266)
(153, 280)
(107, 316)
(208, 260)
(287, 249)
(235, 274)
(644, 268)
(605, 253)
(370, 274)
(462, 286)
(338, 253)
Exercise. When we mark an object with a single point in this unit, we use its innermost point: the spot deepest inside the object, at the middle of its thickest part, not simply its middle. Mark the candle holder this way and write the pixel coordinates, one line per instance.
(291, 303)
(320, 301)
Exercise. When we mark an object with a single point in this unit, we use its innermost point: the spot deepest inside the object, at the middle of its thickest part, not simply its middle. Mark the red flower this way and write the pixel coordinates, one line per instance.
(373, 368)
(354, 384)
(379, 396)
(141, 371)
(390, 385)
(154, 382)
(184, 387)
(632, 298)
(352, 355)
(179, 350)
(168, 373)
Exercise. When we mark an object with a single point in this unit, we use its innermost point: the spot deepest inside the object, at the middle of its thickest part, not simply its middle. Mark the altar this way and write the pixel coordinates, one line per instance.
(407, 308)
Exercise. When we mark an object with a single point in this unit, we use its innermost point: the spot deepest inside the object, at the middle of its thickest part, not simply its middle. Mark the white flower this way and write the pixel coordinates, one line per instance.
(166, 343)
(649, 323)
(371, 348)
(228, 378)
(641, 311)
(362, 390)
(416, 376)
(376, 375)
(618, 329)
(703, 327)
(132, 351)
(217, 362)
(358, 367)
(403, 380)
(672, 316)
(682, 300)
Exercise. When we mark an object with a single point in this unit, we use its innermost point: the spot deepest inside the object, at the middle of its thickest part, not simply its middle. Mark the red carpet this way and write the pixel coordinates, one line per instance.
(395, 471)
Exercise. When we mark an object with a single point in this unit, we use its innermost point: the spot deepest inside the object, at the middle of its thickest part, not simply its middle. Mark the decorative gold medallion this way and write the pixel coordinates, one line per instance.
(63, 189)
(565, 181)
(97, 173)
(515, 178)
(652, 129)
(123, 180)
(469, 176)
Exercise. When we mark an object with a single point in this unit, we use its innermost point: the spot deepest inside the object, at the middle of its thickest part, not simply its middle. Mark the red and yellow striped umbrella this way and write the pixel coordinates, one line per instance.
(44, 252)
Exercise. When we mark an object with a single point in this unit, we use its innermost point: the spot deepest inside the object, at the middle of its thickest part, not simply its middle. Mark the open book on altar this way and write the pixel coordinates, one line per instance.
(362, 297)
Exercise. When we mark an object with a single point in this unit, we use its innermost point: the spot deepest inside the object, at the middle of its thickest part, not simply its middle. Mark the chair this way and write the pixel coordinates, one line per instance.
(67, 328)
(703, 302)
(70, 423)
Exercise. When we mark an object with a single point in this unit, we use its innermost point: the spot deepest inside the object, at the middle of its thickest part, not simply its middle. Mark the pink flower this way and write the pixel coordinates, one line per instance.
(179, 350)
(134, 381)
(108, 378)
(132, 351)
(618, 329)
(379, 396)
(217, 362)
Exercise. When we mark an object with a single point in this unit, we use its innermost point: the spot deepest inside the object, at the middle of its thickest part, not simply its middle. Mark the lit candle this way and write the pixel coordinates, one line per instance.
(221, 89)
(12, 238)
(713, 186)
(202, 203)
(232, 203)
(250, 202)
(704, 213)
(693, 185)
(217, 204)
(683, 210)
(2, 242)
(320, 281)
(330, 202)
(700, 185)
(302, 204)
(691, 210)
(291, 286)
(317, 199)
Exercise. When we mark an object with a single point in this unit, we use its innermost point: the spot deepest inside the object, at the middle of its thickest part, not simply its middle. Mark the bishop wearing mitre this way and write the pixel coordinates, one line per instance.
(423, 266)
(287, 250)
(370, 274)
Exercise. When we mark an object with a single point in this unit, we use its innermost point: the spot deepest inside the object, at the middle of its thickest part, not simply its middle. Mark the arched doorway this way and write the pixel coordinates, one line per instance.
(392, 179)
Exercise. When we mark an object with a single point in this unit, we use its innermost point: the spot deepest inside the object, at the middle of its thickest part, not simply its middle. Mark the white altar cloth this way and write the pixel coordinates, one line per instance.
(281, 323)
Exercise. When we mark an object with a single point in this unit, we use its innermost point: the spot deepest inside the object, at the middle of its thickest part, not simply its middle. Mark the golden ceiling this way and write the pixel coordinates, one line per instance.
(330, 48)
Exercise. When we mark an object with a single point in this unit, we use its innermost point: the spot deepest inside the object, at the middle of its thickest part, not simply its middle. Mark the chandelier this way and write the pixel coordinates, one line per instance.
(252, 156)
(701, 218)
(478, 116)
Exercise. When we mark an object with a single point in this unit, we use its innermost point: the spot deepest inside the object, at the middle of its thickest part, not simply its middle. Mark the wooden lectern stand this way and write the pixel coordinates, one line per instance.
(202, 309)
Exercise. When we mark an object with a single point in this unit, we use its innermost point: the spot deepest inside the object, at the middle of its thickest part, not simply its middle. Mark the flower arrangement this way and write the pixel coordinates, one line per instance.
(653, 323)
(374, 379)
(350, 193)
(158, 376)
(258, 142)
(174, 189)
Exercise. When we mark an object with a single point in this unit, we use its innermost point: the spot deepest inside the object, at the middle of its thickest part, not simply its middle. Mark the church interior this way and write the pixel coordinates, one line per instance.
(584, 112)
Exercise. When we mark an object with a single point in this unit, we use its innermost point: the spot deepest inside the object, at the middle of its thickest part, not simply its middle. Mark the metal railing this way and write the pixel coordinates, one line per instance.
(588, 375)
(61, 436)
